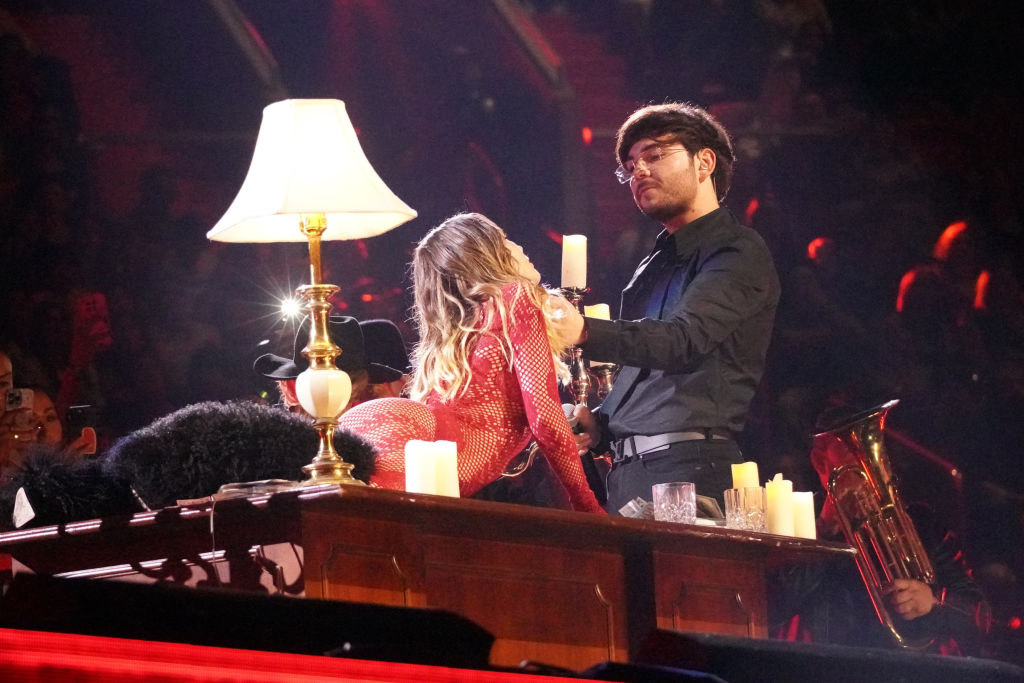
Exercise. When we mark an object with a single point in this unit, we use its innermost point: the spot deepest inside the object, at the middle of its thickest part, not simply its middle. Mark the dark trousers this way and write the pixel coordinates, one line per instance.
(707, 463)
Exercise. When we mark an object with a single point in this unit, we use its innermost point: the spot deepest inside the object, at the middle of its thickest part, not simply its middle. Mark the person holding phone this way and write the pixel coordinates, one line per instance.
(30, 417)
(19, 427)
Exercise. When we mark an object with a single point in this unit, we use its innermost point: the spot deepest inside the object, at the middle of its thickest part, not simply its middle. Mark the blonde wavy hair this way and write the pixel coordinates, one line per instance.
(458, 271)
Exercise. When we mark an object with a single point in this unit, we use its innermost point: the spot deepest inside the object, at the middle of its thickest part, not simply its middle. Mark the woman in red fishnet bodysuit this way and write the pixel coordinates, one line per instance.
(485, 366)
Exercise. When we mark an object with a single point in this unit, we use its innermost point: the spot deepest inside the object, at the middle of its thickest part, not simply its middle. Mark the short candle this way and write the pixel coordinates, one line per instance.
(446, 468)
(420, 470)
(779, 505)
(803, 515)
(744, 475)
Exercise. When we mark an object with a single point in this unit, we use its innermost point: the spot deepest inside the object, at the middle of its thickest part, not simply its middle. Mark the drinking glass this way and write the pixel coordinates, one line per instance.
(745, 508)
(675, 501)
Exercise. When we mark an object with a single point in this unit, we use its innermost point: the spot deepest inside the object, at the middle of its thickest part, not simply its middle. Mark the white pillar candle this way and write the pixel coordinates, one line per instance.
(803, 515)
(779, 506)
(447, 471)
(574, 261)
(420, 470)
(744, 475)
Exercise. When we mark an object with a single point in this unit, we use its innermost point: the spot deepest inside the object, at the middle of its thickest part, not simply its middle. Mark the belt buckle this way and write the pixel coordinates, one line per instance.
(619, 449)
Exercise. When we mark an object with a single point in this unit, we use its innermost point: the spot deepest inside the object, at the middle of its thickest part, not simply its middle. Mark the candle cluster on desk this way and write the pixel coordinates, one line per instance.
(786, 512)
(431, 467)
(574, 261)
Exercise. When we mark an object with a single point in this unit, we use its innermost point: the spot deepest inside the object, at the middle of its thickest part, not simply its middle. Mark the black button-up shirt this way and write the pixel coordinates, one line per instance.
(694, 327)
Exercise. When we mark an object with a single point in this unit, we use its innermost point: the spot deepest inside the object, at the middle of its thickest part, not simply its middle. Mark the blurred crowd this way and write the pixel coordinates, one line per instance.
(108, 311)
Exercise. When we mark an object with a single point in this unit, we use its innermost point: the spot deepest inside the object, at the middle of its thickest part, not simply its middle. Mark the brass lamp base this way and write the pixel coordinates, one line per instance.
(328, 398)
(328, 467)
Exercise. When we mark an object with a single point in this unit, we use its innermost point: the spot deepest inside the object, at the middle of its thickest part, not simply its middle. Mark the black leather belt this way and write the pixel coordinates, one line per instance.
(639, 445)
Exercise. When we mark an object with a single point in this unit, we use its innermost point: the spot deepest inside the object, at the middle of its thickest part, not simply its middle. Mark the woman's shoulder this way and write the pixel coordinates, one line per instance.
(519, 296)
(513, 288)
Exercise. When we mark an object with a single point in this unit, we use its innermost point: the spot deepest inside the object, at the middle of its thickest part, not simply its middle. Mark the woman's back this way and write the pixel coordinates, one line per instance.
(500, 409)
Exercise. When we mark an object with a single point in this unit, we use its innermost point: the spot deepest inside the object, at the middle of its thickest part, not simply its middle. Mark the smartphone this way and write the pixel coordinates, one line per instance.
(20, 403)
(81, 421)
(80, 417)
(16, 399)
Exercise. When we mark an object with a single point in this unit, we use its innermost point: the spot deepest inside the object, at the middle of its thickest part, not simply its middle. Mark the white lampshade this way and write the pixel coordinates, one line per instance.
(308, 161)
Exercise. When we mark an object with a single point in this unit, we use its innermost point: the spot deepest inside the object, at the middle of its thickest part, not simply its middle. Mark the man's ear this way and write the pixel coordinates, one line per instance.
(705, 161)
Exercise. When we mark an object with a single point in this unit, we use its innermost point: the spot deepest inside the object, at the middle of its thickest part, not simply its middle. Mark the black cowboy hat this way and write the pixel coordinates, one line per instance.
(385, 345)
(344, 331)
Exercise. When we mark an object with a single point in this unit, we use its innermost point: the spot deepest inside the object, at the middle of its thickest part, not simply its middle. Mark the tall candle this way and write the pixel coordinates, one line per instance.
(803, 515)
(744, 475)
(420, 471)
(779, 505)
(446, 466)
(574, 261)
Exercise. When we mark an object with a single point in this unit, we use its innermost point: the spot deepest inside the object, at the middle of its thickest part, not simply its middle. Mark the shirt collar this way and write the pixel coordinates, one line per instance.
(691, 236)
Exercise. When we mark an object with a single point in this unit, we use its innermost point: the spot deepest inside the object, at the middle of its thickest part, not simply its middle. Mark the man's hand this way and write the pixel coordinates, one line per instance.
(566, 320)
(911, 599)
(588, 431)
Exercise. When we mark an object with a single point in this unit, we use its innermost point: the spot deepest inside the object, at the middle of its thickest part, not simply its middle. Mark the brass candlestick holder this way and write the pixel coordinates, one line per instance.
(579, 384)
(604, 378)
(323, 389)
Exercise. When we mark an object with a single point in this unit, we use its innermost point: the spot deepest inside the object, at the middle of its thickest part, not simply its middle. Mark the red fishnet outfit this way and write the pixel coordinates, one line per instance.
(492, 421)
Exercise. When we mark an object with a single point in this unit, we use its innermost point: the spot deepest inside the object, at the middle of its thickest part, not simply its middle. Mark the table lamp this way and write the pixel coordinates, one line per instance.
(310, 181)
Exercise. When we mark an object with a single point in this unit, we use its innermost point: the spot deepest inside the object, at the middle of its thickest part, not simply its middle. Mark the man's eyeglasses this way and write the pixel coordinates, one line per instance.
(648, 157)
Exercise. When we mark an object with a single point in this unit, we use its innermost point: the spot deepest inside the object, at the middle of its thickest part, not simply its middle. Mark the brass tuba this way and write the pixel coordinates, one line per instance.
(853, 466)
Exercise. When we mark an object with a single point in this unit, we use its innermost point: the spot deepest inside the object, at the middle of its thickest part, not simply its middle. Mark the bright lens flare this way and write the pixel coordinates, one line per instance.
(290, 308)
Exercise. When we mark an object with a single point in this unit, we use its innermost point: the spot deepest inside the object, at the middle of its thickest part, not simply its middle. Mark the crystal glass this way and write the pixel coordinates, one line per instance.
(675, 501)
(745, 508)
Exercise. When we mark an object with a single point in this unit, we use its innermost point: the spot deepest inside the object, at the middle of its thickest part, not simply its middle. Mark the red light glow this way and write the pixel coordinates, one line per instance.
(905, 282)
(946, 240)
(981, 290)
(751, 209)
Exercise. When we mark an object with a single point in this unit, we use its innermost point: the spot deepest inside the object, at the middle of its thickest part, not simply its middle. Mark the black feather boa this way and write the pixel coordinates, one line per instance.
(189, 453)
(60, 488)
(195, 450)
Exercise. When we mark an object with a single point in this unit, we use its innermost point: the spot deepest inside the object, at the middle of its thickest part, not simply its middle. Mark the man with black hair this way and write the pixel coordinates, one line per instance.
(695, 319)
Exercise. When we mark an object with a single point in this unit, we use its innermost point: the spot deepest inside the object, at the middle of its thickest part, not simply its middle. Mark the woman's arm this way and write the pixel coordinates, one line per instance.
(535, 371)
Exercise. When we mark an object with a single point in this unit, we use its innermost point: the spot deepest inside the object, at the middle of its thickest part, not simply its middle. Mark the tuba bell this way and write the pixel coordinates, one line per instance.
(852, 463)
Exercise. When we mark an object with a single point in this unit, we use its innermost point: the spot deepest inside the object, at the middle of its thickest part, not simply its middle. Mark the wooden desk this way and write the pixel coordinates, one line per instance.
(556, 587)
